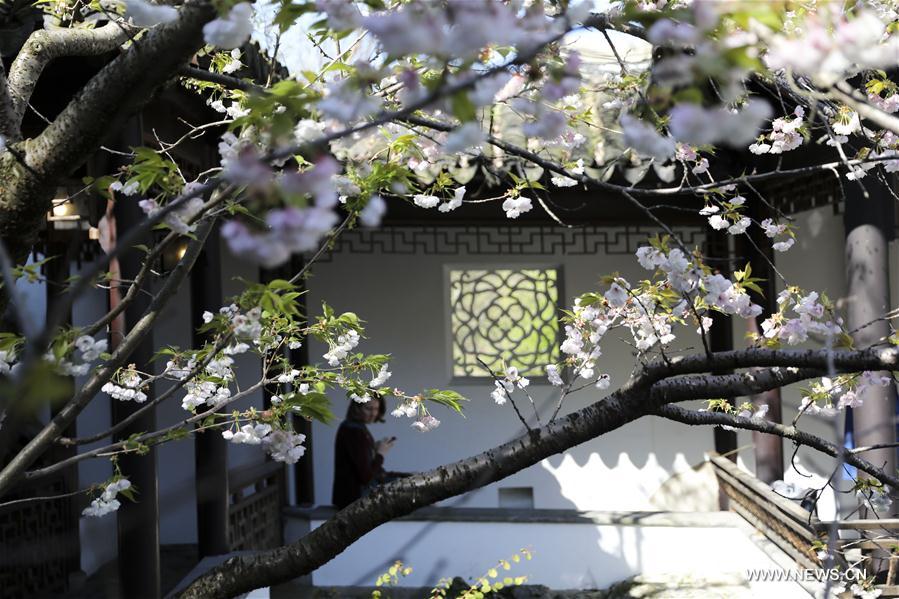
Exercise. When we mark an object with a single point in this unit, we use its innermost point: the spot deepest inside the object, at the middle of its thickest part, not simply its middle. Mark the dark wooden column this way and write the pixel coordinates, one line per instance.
(868, 223)
(721, 336)
(304, 482)
(755, 248)
(138, 522)
(57, 272)
(304, 474)
(210, 448)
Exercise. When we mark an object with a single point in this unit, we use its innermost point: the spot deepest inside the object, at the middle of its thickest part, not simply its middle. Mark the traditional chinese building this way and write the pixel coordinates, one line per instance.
(443, 293)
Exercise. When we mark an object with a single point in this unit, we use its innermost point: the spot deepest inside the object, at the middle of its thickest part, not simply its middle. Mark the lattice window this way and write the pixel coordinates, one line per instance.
(503, 314)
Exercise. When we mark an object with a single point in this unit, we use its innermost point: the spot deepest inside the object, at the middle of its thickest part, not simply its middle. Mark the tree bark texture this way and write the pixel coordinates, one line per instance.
(32, 169)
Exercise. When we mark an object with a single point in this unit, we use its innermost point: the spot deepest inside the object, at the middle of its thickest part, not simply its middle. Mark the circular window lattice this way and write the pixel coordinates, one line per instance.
(506, 315)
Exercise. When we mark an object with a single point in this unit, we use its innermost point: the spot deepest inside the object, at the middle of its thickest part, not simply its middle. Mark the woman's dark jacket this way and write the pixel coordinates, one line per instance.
(356, 463)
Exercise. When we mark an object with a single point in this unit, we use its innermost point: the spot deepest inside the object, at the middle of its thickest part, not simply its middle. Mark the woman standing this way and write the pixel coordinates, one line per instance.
(358, 459)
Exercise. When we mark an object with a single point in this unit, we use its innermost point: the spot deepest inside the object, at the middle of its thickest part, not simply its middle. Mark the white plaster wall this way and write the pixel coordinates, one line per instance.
(175, 460)
(402, 299)
(564, 556)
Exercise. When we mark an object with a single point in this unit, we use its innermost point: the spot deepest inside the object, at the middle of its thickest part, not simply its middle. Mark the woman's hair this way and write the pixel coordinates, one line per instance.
(355, 409)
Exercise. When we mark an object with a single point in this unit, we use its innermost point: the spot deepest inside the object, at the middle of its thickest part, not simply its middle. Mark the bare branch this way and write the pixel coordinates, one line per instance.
(710, 386)
(221, 79)
(817, 359)
(693, 417)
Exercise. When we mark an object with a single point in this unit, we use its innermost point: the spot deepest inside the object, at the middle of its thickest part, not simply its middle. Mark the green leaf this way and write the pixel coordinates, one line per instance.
(463, 108)
(450, 399)
(315, 405)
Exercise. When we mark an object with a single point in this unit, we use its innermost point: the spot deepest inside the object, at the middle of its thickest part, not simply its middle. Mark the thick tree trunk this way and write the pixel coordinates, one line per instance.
(31, 170)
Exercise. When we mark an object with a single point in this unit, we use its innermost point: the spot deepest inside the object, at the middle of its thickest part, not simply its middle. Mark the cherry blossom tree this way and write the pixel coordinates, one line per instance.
(413, 95)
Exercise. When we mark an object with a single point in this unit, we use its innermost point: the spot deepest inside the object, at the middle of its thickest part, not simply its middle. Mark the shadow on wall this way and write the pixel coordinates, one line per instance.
(439, 549)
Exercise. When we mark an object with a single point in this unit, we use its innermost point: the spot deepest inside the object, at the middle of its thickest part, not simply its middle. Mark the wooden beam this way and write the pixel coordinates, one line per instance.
(57, 272)
(721, 335)
(138, 522)
(304, 472)
(755, 247)
(210, 448)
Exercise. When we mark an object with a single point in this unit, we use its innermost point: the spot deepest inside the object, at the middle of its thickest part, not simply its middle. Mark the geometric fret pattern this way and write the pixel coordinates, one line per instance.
(511, 240)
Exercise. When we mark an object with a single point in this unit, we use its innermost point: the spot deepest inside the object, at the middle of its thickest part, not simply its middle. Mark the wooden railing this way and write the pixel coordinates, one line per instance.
(39, 547)
(787, 525)
(794, 530)
(257, 495)
(878, 541)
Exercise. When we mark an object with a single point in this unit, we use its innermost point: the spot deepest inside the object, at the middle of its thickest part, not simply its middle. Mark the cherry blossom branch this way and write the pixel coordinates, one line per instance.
(116, 447)
(399, 498)
(122, 424)
(12, 471)
(817, 359)
(590, 182)
(845, 94)
(506, 392)
(439, 93)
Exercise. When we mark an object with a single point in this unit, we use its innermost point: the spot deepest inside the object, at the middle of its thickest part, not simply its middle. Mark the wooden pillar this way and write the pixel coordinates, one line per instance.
(868, 223)
(304, 474)
(721, 336)
(210, 448)
(755, 248)
(138, 522)
(57, 272)
(303, 479)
